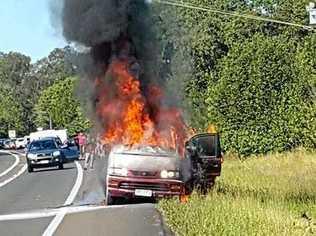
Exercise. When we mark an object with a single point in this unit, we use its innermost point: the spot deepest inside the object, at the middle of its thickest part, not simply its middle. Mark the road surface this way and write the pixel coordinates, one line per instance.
(66, 202)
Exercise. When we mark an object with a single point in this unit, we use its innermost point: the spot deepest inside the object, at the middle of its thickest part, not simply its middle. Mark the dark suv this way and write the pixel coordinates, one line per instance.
(45, 152)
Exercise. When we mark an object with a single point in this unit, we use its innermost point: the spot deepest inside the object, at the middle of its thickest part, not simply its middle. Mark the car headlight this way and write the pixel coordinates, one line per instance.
(118, 171)
(56, 153)
(165, 174)
(31, 156)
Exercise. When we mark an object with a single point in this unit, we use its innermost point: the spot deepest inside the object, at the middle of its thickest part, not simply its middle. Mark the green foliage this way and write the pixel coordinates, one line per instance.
(267, 195)
(10, 113)
(25, 81)
(41, 75)
(14, 68)
(59, 103)
(259, 101)
(255, 80)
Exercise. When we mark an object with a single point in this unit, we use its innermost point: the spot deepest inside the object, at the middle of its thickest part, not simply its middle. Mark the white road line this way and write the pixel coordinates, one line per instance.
(21, 171)
(47, 213)
(17, 160)
(44, 213)
(61, 214)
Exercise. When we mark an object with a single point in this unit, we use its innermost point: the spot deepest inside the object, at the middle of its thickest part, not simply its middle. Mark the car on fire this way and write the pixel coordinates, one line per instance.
(49, 152)
(152, 172)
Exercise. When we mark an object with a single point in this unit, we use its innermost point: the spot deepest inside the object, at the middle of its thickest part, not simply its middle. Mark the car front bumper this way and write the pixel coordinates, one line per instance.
(160, 188)
(45, 162)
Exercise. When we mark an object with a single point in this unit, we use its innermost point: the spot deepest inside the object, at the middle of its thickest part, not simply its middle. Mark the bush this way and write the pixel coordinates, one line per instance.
(263, 100)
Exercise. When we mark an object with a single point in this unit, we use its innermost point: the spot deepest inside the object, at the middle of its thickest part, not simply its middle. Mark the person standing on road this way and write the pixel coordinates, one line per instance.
(82, 140)
(90, 153)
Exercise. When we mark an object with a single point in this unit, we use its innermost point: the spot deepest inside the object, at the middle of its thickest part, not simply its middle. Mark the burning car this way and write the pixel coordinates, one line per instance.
(154, 172)
(143, 172)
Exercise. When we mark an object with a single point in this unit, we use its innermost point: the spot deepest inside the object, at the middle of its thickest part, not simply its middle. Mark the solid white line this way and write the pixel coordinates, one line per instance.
(61, 214)
(21, 171)
(17, 160)
(44, 213)
(48, 213)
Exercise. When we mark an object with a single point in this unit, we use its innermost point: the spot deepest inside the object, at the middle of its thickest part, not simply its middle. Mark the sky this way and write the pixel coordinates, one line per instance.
(26, 27)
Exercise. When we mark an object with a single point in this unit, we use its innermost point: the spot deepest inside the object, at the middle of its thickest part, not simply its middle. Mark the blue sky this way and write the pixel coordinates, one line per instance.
(25, 27)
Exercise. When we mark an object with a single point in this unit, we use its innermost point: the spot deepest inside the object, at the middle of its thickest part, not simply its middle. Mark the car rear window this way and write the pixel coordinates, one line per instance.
(43, 145)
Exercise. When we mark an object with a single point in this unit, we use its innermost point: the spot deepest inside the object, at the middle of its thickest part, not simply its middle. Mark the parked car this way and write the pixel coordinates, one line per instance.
(20, 143)
(144, 172)
(152, 172)
(9, 144)
(49, 152)
(2, 143)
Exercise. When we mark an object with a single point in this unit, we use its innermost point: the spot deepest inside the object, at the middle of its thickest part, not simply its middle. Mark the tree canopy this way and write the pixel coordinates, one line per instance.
(58, 103)
(10, 113)
(254, 80)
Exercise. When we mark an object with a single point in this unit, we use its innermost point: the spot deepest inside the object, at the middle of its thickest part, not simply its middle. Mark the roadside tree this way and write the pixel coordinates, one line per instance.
(59, 103)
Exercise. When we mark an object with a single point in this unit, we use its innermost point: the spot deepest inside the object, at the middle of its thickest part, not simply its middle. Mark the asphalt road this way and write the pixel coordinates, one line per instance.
(5, 162)
(32, 203)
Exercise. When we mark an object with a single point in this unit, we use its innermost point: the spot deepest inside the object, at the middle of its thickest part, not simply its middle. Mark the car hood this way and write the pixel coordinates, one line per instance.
(45, 152)
(144, 162)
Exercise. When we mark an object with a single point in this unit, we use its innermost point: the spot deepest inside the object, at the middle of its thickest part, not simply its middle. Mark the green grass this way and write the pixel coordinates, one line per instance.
(266, 195)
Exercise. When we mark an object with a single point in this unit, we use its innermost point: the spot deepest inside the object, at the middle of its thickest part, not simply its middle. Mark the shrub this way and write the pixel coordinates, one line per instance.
(263, 98)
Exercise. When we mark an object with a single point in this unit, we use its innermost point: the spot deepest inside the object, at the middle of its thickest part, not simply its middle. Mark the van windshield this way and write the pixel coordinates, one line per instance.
(145, 151)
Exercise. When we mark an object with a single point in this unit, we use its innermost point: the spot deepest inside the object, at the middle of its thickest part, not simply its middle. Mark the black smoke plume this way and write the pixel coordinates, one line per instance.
(102, 26)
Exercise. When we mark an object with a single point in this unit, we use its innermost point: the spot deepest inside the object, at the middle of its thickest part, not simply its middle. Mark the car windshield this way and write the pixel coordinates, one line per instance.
(145, 151)
(43, 145)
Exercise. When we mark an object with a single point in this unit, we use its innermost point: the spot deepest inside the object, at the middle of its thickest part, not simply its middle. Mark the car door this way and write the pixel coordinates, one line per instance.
(205, 149)
(70, 154)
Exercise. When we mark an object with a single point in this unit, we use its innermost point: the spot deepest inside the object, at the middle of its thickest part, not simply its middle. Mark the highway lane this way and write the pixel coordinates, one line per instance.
(5, 162)
(44, 188)
(31, 200)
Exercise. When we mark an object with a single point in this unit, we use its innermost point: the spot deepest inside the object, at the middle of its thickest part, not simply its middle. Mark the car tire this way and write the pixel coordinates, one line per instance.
(109, 200)
(61, 166)
(30, 169)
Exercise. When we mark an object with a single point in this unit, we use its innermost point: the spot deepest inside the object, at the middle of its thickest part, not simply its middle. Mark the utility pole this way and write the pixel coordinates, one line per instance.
(50, 122)
(311, 8)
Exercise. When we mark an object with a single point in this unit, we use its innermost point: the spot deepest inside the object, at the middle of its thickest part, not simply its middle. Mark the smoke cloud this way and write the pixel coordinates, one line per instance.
(102, 25)
(112, 35)
(91, 22)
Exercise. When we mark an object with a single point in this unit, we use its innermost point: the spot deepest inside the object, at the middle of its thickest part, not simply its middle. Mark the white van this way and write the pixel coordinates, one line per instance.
(61, 134)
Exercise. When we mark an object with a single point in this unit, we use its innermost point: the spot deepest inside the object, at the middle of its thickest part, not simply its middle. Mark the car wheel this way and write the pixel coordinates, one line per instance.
(30, 168)
(109, 200)
(61, 166)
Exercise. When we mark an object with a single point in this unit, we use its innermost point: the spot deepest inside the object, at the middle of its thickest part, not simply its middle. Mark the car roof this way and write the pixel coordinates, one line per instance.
(45, 139)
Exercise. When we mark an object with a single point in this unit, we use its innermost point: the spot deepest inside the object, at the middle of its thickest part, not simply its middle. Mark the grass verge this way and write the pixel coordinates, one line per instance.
(266, 195)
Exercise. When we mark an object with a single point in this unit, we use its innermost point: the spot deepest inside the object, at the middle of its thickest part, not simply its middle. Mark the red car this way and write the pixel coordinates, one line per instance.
(144, 172)
(156, 173)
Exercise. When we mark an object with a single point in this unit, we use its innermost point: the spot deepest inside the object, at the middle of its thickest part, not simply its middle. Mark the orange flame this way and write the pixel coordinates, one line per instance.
(130, 118)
